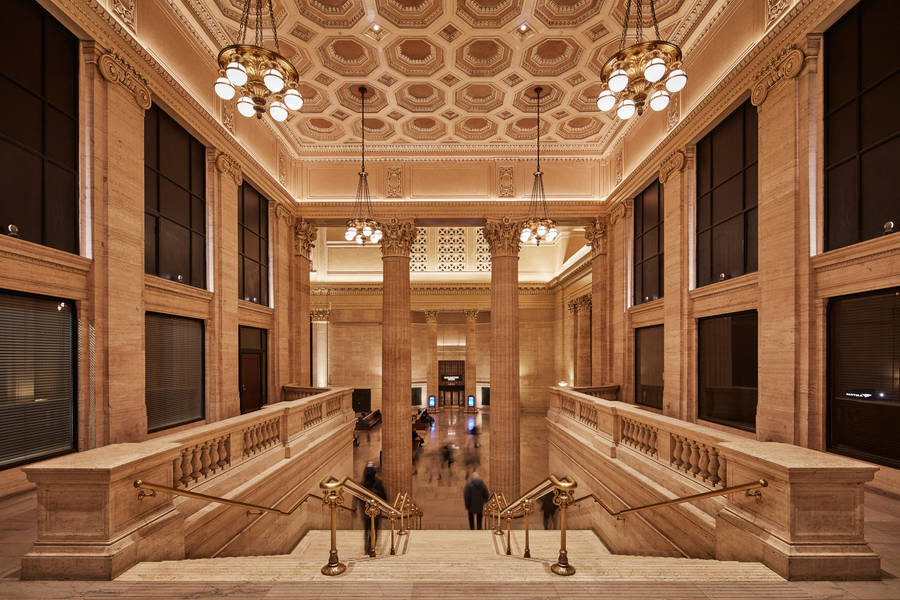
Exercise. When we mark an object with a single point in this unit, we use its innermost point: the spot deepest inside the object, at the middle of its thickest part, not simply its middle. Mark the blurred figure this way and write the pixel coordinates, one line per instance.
(372, 483)
(549, 509)
(475, 495)
(475, 432)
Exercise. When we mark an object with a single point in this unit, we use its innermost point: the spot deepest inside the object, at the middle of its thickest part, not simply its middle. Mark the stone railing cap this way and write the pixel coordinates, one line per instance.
(790, 458)
(106, 463)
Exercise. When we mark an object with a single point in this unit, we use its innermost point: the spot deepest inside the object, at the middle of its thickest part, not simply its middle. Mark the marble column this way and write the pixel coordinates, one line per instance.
(319, 318)
(596, 234)
(503, 239)
(224, 180)
(396, 366)
(304, 236)
(581, 309)
(431, 355)
(471, 355)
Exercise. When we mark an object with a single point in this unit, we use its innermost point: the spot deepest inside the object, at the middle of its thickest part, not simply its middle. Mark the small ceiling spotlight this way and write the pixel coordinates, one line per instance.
(523, 27)
(376, 27)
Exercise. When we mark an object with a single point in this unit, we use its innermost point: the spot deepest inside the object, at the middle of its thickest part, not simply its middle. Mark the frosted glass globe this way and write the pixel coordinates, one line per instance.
(224, 89)
(618, 81)
(236, 73)
(245, 106)
(350, 234)
(274, 80)
(626, 109)
(293, 99)
(367, 231)
(659, 100)
(676, 80)
(278, 111)
(655, 69)
(606, 100)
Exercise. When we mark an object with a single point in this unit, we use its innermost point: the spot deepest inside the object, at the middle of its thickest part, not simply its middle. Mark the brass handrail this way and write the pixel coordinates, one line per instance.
(142, 486)
(752, 485)
(374, 505)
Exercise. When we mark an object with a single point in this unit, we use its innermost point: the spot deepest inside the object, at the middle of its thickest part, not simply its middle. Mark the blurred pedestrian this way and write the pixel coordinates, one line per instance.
(475, 495)
(549, 509)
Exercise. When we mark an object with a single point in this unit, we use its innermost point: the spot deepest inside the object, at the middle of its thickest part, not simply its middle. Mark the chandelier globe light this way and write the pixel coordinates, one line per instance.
(363, 227)
(647, 72)
(263, 80)
(538, 227)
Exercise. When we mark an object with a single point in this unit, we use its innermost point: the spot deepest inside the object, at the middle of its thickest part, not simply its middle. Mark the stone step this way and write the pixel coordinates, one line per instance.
(450, 556)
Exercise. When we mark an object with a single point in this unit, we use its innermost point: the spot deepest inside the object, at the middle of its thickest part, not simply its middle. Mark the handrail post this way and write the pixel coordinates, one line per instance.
(334, 567)
(498, 523)
(403, 500)
(526, 507)
(508, 547)
(393, 550)
(562, 498)
(372, 511)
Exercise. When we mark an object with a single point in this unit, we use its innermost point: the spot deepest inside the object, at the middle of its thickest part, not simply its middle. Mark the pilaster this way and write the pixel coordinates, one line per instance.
(304, 236)
(581, 310)
(431, 355)
(471, 353)
(596, 233)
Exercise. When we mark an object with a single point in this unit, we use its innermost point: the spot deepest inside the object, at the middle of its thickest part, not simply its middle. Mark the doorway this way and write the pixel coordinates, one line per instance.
(451, 383)
(252, 368)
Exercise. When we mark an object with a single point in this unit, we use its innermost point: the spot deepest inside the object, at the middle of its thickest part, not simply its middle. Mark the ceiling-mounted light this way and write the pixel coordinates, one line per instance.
(538, 226)
(626, 109)
(362, 226)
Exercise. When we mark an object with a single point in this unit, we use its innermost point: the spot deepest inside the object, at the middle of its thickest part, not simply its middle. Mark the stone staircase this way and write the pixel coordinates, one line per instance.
(450, 556)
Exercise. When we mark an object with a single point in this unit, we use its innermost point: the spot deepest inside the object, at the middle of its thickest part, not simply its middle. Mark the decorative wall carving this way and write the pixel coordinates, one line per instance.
(471, 315)
(418, 251)
(431, 316)
(398, 237)
(620, 211)
(320, 314)
(620, 165)
(282, 166)
(596, 234)
(671, 165)
(786, 66)
(304, 236)
(673, 114)
(451, 249)
(502, 236)
(774, 10)
(227, 165)
(507, 183)
(124, 9)
(580, 304)
(228, 116)
(394, 183)
(282, 213)
(114, 68)
(482, 251)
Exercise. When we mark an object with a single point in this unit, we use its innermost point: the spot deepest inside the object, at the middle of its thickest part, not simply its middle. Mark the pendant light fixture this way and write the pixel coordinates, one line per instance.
(363, 227)
(538, 227)
(647, 72)
(263, 80)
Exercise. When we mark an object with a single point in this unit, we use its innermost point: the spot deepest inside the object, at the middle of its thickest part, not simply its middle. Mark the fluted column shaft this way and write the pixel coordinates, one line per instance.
(581, 309)
(304, 236)
(471, 353)
(396, 365)
(431, 355)
(503, 238)
(596, 234)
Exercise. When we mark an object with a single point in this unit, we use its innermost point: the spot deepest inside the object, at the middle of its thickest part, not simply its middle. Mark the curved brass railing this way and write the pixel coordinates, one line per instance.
(144, 486)
(403, 506)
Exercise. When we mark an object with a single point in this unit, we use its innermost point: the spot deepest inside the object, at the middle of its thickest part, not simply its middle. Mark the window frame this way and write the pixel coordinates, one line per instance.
(639, 231)
(263, 263)
(637, 365)
(203, 373)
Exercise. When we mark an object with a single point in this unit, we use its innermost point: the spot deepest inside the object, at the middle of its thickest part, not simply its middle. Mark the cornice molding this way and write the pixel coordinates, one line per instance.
(304, 236)
(502, 236)
(116, 69)
(427, 290)
(786, 66)
(227, 165)
(671, 165)
(398, 237)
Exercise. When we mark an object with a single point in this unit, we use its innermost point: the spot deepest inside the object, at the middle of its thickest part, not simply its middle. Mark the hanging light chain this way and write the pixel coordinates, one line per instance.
(655, 22)
(625, 25)
(275, 29)
(242, 29)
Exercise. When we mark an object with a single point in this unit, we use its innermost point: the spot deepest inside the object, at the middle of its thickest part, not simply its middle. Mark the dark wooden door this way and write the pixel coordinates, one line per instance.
(251, 381)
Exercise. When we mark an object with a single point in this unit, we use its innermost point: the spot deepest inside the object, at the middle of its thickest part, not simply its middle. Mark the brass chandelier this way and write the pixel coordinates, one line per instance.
(262, 79)
(647, 72)
(538, 227)
(363, 227)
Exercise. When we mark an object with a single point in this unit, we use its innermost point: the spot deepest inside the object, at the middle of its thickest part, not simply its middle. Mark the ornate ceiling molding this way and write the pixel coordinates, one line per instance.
(115, 69)
(427, 290)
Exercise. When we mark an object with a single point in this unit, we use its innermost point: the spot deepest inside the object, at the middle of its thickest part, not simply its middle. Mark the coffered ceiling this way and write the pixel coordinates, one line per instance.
(447, 72)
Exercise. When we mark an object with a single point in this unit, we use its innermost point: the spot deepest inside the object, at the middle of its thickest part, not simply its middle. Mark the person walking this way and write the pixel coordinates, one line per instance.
(372, 483)
(475, 495)
(549, 509)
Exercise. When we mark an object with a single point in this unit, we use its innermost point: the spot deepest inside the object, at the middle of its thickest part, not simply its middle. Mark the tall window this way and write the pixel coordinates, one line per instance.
(648, 244)
(253, 245)
(648, 366)
(174, 206)
(174, 371)
(864, 376)
(38, 129)
(862, 128)
(726, 198)
(253, 368)
(727, 356)
(37, 378)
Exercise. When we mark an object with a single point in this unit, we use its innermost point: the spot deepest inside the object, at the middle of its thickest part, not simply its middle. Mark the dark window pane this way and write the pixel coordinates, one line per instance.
(651, 206)
(198, 168)
(174, 151)
(878, 50)
(174, 202)
(751, 182)
(61, 52)
(751, 134)
(728, 199)
(651, 243)
(842, 133)
(21, 190)
(198, 219)
(638, 283)
(174, 251)
(752, 228)
(25, 37)
(864, 390)
(150, 237)
(648, 368)
(151, 190)
(879, 119)
(60, 138)
(251, 281)
(60, 219)
(198, 260)
(24, 124)
(151, 138)
(251, 209)
(651, 279)
(251, 245)
(728, 148)
(841, 205)
(880, 188)
(727, 348)
(728, 248)
(704, 166)
(704, 254)
(841, 50)
(704, 212)
(263, 285)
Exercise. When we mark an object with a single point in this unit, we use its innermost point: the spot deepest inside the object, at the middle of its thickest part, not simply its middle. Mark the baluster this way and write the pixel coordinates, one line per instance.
(176, 471)
(224, 457)
(686, 456)
(695, 458)
(721, 471)
(213, 456)
(195, 463)
(713, 467)
(273, 432)
(204, 459)
(185, 467)
(246, 442)
(645, 438)
(654, 442)
(675, 459)
(704, 462)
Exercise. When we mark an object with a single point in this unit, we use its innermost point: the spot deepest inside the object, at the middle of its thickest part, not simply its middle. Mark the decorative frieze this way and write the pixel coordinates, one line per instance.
(671, 165)
(786, 66)
(398, 237)
(418, 252)
(579, 304)
(124, 9)
(304, 236)
(482, 251)
(282, 165)
(228, 116)
(507, 183)
(114, 68)
(227, 165)
(774, 10)
(673, 113)
(502, 236)
(451, 249)
(596, 234)
(393, 182)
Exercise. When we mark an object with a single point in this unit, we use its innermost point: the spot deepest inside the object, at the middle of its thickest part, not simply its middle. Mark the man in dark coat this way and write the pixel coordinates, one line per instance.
(475, 495)
(372, 483)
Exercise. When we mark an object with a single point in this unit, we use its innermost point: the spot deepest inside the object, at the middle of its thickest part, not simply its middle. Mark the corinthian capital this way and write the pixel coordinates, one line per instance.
(398, 237)
(596, 234)
(431, 316)
(304, 236)
(502, 236)
(471, 315)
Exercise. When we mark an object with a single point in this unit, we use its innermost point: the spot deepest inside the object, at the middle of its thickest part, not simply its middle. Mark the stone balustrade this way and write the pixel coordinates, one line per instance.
(92, 525)
(607, 392)
(806, 524)
(293, 391)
